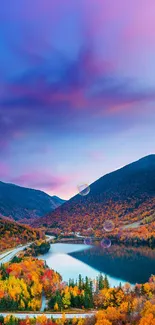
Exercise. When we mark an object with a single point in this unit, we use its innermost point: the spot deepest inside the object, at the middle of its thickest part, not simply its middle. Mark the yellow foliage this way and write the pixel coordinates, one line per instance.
(22, 304)
(41, 319)
(7, 318)
(56, 307)
(80, 321)
(148, 309)
(62, 320)
(101, 319)
(74, 321)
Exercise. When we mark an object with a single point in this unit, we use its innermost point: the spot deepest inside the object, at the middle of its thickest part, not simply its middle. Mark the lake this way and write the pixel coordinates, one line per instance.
(120, 263)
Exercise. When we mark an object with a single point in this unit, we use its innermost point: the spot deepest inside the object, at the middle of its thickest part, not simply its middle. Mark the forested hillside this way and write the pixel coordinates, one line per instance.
(124, 196)
(13, 234)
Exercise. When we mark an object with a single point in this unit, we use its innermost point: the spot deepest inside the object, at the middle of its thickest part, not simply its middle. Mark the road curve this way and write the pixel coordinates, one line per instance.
(7, 256)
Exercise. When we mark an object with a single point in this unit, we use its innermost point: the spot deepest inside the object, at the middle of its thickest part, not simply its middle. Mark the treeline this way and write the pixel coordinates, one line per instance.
(79, 294)
(133, 239)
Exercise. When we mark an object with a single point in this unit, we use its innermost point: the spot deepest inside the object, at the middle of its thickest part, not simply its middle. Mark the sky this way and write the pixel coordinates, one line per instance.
(77, 90)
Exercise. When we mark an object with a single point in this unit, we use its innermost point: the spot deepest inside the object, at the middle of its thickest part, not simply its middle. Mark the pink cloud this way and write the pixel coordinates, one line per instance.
(40, 180)
(142, 26)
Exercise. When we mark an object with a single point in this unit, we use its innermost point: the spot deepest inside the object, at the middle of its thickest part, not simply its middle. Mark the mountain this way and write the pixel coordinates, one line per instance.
(24, 203)
(13, 234)
(126, 195)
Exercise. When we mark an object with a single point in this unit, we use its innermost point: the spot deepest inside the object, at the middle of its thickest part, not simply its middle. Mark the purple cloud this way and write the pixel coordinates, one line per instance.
(4, 169)
(75, 76)
(40, 180)
(76, 91)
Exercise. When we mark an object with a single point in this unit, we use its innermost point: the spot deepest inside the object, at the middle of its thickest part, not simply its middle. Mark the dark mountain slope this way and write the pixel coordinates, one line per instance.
(127, 193)
(24, 203)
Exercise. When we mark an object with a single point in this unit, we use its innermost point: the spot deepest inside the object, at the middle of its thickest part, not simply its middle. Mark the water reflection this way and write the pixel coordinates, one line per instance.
(120, 263)
(131, 264)
(61, 260)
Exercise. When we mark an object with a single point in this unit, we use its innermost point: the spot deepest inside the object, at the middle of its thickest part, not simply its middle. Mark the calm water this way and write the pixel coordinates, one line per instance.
(121, 264)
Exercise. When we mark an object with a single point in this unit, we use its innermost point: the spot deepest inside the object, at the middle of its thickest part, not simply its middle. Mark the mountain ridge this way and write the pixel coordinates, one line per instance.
(23, 203)
(125, 191)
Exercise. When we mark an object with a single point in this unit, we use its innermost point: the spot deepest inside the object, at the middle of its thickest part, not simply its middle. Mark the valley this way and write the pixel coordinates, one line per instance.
(97, 260)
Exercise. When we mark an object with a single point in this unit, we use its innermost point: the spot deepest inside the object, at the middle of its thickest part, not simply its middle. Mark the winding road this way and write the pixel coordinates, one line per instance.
(7, 256)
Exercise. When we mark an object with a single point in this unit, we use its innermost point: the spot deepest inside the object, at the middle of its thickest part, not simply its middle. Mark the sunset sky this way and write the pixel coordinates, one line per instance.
(77, 90)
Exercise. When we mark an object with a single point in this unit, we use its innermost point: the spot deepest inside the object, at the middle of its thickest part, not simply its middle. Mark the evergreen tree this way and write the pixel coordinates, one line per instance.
(59, 301)
(91, 294)
(87, 301)
(3, 272)
(91, 287)
(73, 300)
(52, 302)
(71, 283)
(86, 287)
(16, 259)
(101, 282)
(81, 301)
(8, 304)
(12, 321)
(80, 282)
(120, 285)
(106, 282)
(97, 285)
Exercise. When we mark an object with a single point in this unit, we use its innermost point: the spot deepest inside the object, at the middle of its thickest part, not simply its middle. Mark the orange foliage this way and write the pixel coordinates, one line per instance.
(13, 234)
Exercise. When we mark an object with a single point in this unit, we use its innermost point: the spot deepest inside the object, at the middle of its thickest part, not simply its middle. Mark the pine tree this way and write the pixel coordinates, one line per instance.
(91, 294)
(86, 285)
(3, 272)
(101, 282)
(106, 282)
(86, 300)
(59, 301)
(97, 285)
(120, 285)
(52, 302)
(80, 282)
